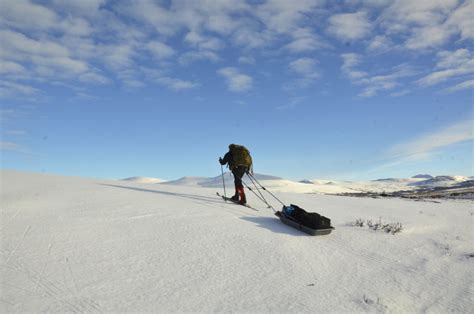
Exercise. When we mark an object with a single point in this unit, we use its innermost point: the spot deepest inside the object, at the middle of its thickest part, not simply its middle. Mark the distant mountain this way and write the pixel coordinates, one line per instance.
(441, 181)
(217, 180)
(144, 180)
(278, 184)
(465, 184)
(392, 180)
(423, 176)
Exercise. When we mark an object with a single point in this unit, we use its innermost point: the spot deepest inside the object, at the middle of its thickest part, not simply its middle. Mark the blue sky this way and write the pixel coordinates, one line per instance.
(355, 90)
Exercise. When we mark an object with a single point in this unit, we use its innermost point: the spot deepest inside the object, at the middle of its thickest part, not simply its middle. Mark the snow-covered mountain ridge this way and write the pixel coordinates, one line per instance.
(387, 185)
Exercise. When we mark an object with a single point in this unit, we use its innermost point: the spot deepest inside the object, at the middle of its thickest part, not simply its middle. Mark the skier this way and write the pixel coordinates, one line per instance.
(240, 162)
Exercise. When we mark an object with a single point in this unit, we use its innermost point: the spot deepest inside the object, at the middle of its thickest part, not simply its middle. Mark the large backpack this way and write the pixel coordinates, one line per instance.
(241, 156)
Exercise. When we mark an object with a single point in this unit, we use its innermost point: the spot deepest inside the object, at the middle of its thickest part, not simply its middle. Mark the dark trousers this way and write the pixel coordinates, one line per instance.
(238, 175)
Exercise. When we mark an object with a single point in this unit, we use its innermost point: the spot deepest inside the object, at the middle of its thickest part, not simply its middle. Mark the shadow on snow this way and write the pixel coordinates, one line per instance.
(274, 224)
(271, 223)
(182, 195)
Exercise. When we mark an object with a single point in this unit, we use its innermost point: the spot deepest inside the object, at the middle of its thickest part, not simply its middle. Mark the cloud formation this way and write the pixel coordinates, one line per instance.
(374, 84)
(236, 81)
(424, 146)
(349, 26)
(99, 42)
(451, 64)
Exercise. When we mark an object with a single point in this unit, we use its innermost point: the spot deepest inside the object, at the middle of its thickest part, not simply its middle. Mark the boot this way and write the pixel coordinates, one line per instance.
(243, 199)
(235, 198)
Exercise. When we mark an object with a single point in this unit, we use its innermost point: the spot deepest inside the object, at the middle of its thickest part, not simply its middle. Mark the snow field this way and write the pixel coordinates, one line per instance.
(86, 245)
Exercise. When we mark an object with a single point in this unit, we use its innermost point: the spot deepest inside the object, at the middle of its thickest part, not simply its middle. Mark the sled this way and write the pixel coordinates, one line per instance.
(291, 222)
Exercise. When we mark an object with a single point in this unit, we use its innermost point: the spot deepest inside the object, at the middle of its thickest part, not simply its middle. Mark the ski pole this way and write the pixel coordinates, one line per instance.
(253, 178)
(223, 181)
(259, 197)
(258, 190)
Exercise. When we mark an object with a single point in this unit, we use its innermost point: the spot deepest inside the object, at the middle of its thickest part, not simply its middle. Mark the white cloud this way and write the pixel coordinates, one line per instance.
(306, 67)
(162, 20)
(203, 42)
(377, 83)
(429, 24)
(91, 77)
(284, 16)
(400, 93)
(428, 37)
(462, 19)
(469, 84)
(12, 89)
(11, 68)
(451, 64)
(350, 61)
(176, 84)
(72, 26)
(458, 58)
(236, 81)
(304, 40)
(252, 38)
(246, 60)
(118, 56)
(160, 50)
(24, 14)
(79, 6)
(380, 43)
(43, 57)
(213, 16)
(171, 83)
(404, 15)
(193, 56)
(349, 26)
(424, 146)
(373, 84)
(17, 46)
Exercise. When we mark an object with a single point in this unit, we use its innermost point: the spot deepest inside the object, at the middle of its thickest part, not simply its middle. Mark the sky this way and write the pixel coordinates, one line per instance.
(347, 90)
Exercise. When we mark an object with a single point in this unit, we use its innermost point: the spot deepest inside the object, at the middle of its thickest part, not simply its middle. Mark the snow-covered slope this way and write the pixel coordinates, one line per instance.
(144, 180)
(83, 245)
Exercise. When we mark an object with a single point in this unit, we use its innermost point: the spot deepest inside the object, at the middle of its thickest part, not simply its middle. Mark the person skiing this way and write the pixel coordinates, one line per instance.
(239, 162)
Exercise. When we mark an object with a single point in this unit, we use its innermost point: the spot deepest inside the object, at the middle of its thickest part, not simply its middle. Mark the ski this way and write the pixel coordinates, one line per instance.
(228, 199)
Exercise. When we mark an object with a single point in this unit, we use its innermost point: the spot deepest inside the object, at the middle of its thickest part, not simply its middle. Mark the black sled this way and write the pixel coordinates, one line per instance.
(310, 223)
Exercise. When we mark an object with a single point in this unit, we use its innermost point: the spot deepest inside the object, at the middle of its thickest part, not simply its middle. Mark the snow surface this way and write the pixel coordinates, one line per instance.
(144, 180)
(86, 245)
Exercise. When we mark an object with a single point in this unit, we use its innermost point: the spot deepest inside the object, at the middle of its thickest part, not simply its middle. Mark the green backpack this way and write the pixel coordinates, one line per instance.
(241, 156)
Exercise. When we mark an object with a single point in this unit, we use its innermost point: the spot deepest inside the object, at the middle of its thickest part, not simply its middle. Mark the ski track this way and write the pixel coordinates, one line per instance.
(53, 290)
(27, 229)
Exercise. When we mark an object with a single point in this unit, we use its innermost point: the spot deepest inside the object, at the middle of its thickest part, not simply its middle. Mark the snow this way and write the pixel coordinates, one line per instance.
(144, 180)
(86, 245)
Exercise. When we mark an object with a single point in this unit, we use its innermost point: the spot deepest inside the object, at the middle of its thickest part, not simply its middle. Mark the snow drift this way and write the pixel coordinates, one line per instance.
(87, 245)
